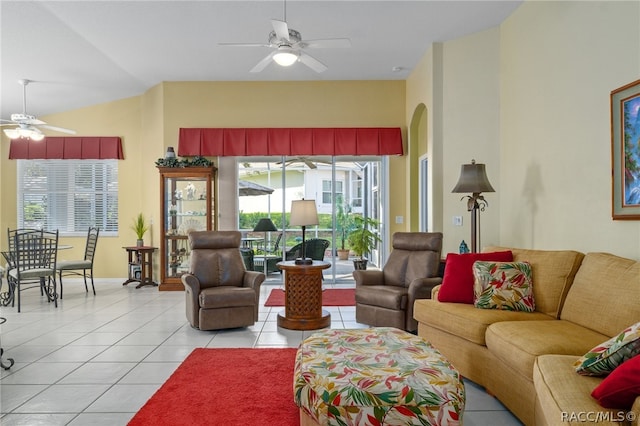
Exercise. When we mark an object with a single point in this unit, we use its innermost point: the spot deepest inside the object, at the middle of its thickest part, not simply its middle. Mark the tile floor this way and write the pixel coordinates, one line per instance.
(95, 360)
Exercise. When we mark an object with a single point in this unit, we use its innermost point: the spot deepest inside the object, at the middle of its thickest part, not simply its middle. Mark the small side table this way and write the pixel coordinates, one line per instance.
(142, 256)
(303, 296)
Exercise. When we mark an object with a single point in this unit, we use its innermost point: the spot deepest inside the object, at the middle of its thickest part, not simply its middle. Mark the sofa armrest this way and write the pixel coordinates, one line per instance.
(422, 288)
(253, 279)
(435, 291)
(635, 409)
(368, 277)
(191, 293)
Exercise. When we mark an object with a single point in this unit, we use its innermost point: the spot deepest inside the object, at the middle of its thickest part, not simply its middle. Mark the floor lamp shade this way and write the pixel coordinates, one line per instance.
(473, 179)
(303, 213)
(265, 225)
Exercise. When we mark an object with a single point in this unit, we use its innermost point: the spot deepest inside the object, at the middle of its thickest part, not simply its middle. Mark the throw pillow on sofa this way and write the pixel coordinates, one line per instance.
(457, 283)
(620, 388)
(604, 358)
(503, 285)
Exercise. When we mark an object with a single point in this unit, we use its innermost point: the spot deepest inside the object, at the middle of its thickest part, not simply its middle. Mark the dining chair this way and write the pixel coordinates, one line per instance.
(34, 254)
(81, 267)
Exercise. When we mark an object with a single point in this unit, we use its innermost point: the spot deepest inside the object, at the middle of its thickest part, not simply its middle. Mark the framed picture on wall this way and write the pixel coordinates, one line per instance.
(625, 151)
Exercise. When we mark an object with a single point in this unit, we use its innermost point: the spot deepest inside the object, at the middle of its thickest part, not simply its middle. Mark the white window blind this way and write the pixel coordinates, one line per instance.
(68, 195)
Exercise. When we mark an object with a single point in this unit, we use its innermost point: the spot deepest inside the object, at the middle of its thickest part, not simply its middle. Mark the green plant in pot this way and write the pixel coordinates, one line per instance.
(344, 225)
(140, 227)
(363, 239)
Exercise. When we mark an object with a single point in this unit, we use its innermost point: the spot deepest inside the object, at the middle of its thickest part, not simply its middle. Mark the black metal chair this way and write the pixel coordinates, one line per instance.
(81, 267)
(34, 255)
(275, 248)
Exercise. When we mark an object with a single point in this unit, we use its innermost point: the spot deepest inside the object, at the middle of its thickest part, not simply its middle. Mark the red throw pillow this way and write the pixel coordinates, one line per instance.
(457, 283)
(621, 387)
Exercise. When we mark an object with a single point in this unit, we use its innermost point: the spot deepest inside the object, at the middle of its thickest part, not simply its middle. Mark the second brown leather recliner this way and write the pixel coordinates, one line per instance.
(385, 298)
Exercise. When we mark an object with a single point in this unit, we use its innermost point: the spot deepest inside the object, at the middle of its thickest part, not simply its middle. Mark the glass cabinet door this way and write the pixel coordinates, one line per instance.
(187, 205)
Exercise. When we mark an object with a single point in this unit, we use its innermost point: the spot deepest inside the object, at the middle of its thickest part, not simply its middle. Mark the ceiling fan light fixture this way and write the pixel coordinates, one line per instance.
(18, 133)
(285, 57)
(12, 133)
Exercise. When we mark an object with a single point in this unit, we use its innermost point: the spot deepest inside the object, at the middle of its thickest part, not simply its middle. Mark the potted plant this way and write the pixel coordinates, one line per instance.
(140, 227)
(363, 239)
(344, 225)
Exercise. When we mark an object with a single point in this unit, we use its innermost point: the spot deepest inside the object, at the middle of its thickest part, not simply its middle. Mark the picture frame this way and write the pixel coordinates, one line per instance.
(625, 151)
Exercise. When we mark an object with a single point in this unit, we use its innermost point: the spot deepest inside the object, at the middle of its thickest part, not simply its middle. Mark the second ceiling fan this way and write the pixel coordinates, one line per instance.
(289, 47)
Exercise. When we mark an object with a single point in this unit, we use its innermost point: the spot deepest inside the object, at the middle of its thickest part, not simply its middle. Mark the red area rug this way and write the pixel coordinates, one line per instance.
(330, 297)
(231, 387)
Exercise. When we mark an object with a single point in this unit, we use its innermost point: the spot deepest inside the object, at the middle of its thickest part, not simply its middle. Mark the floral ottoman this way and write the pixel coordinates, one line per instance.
(375, 376)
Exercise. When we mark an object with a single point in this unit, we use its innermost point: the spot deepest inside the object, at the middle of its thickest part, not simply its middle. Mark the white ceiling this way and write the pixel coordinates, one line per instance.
(81, 53)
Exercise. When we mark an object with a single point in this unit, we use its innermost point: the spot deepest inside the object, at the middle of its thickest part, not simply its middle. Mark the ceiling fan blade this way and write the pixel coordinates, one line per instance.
(310, 164)
(263, 63)
(245, 44)
(57, 129)
(281, 28)
(312, 62)
(333, 43)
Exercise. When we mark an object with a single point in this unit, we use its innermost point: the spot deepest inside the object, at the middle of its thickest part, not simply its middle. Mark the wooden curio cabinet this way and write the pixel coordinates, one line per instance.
(187, 203)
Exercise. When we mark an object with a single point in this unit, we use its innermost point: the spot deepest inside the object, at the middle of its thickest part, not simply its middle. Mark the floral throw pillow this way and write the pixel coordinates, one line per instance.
(503, 285)
(604, 358)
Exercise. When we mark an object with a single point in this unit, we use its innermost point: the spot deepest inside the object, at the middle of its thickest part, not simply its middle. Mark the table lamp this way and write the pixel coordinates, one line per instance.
(473, 178)
(265, 225)
(303, 213)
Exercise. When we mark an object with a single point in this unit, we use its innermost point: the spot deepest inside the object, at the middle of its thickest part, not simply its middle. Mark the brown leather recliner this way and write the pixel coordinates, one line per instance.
(385, 298)
(220, 292)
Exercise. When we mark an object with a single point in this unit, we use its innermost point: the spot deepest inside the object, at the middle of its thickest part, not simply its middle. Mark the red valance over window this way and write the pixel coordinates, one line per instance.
(220, 142)
(67, 148)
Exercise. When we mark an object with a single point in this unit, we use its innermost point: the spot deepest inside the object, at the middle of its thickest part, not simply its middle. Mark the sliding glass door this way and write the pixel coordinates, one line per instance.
(342, 187)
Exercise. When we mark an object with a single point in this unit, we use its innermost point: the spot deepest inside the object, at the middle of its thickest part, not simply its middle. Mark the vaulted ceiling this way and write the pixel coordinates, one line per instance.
(80, 53)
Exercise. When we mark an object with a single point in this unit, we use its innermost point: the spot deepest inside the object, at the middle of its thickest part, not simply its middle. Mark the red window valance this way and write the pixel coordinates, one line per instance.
(220, 142)
(67, 148)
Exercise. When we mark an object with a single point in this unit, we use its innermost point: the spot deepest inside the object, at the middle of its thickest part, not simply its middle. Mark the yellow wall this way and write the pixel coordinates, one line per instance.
(149, 123)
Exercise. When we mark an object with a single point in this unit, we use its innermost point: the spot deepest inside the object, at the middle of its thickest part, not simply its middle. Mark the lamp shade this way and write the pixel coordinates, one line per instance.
(265, 225)
(473, 178)
(303, 213)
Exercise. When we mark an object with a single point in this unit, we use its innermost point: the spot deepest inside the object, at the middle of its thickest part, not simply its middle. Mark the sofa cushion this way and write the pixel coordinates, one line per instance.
(457, 283)
(605, 357)
(606, 286)
(518, 343)
(466, 321)
(503, 285)
(620, 388)
(563, 396)
(552, 272)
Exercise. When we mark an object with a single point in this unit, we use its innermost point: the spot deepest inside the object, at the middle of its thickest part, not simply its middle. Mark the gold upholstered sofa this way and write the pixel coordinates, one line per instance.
(526, 359)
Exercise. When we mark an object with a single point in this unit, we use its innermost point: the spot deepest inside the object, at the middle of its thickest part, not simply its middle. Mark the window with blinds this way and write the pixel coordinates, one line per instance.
(68, 195)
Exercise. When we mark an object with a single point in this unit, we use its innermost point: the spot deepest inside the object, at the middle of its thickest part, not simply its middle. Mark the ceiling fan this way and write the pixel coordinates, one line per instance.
(289, 47)
(28, 126)
(308, 161)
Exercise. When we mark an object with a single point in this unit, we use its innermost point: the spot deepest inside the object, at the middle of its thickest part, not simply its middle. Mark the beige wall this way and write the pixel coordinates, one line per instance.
(531, 100)
(559, 63)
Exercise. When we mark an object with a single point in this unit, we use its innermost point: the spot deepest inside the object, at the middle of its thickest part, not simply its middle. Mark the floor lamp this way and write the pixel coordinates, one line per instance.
(303, 213)
(473, 178)
(265, 225)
